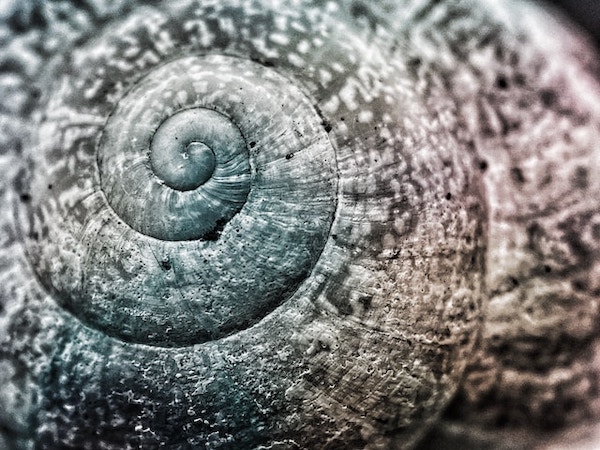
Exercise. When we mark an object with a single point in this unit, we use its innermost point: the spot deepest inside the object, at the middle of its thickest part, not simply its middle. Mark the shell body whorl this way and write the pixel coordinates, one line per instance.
(241, 227)
(246, 224)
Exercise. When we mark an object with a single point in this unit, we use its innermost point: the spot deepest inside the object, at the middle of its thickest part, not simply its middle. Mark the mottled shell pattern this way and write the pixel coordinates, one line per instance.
(292, 223)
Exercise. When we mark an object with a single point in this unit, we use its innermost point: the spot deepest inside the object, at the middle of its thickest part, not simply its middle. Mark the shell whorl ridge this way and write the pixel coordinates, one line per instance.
(294, 224)
(174, 254)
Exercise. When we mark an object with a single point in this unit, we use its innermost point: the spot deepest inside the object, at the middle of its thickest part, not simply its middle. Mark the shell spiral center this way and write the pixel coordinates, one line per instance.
(178, 155)
(216, 190)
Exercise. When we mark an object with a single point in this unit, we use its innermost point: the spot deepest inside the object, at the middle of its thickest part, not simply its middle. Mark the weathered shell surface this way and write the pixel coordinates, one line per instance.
(315, 278)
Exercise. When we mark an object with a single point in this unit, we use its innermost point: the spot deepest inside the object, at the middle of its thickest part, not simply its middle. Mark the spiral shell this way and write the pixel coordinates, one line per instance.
(256, 224)
(234, 233)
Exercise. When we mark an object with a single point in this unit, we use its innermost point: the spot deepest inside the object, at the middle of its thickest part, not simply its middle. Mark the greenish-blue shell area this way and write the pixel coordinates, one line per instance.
(318, 286)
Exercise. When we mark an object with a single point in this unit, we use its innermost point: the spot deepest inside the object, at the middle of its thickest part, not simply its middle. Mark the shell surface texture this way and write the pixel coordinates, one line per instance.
(296, 224)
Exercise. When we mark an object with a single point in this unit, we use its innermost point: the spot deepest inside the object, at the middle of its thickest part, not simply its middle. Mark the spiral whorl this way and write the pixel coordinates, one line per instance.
(255, 224)
(252, 216)
(188, 177)
(179, 156)
(198, 168)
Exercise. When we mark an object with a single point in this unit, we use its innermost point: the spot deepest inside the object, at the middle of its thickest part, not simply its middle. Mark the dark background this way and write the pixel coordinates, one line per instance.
(586, 13)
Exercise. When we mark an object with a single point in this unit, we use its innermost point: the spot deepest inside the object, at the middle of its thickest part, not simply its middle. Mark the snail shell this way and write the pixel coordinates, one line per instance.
(247, 224)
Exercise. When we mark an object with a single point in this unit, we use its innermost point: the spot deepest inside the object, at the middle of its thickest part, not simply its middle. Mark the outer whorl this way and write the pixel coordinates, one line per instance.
(269, 224)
